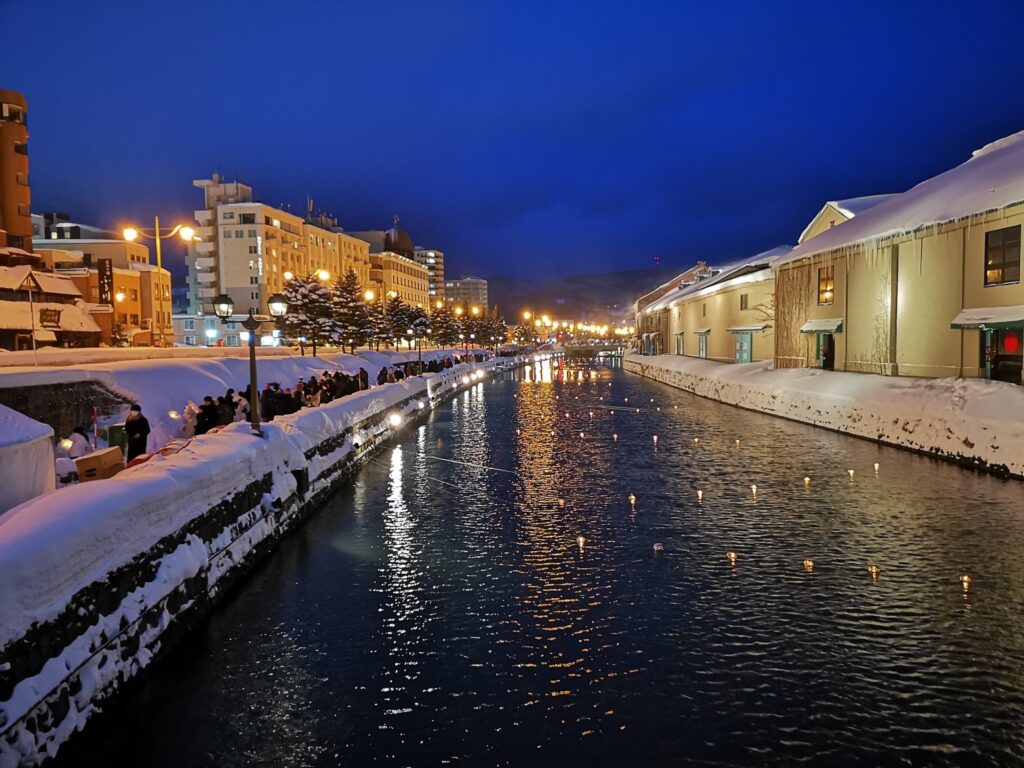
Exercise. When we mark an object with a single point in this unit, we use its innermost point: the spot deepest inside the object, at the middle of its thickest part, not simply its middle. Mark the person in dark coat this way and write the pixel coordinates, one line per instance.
(136, 429)
(225, 411)
(267, 411)
(364, 379)
(382, 377)
(206, 418)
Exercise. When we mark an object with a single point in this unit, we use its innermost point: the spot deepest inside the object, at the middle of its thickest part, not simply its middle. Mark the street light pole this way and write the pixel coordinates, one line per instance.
(187, 233)
(223, 306)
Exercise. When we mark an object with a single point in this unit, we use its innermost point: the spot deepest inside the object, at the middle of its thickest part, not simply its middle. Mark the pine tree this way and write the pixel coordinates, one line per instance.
(350, 312)
(396, 318)
(444, 330)
(310, 313)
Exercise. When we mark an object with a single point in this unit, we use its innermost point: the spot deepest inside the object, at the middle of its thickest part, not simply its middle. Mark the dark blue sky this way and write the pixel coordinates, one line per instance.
(525, 139)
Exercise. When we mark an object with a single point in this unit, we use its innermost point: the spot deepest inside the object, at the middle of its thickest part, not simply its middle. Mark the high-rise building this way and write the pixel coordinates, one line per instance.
(466, 291)
(15, 193)
(249, 250)
(433, 260)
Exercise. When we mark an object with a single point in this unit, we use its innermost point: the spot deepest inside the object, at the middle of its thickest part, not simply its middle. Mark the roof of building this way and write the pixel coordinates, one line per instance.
(13, 278)
(718, 276)
(15, 315)
(992, 179)
(851, 207)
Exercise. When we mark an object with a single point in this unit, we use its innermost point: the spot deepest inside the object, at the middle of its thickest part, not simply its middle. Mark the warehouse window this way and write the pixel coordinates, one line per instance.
(826, 285)
(1002, 256)
(743, 301)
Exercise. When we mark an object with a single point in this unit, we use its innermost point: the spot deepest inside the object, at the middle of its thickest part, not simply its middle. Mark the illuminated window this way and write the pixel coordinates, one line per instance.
(1002, 256)
(826, 285)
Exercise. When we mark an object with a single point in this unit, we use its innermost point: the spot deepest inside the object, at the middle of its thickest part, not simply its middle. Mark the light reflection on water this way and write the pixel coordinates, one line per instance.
(443, 612)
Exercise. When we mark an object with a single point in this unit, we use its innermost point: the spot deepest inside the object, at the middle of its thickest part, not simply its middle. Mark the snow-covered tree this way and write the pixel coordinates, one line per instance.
(119, 336)
(354, 326)
(496, 327)
(310, 313)
(444, 330)
(397, 318)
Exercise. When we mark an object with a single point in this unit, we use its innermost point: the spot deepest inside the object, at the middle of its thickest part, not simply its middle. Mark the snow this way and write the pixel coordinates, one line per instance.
(828, 325)
(751, 269)
(979, 317)
(26, 458)
(854, 206)
(16, 315)
(978, 421)
(163, 386)
(13, 279)
(991, 179)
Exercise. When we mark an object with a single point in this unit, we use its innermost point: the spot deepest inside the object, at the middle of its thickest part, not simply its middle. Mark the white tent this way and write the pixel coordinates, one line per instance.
(26, 458)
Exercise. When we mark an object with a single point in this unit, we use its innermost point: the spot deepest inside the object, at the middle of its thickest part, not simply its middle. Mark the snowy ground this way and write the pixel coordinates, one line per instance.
(164, 386)
(974, 420)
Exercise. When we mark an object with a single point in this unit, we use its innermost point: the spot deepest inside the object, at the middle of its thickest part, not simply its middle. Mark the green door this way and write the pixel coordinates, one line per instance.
(744, 345)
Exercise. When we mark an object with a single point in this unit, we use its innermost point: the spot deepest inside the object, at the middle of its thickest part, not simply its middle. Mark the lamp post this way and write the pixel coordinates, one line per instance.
(223, 306)
(157, 235)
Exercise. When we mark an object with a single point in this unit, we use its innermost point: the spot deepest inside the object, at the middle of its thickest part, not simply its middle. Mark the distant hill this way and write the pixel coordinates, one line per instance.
(602, 296)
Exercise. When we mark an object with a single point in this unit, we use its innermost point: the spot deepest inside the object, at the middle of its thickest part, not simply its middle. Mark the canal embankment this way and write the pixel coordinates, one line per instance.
(99, 579)
(972, 422)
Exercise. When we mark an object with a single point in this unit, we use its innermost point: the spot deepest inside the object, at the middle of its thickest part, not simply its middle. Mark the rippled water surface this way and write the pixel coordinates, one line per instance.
(441, 609)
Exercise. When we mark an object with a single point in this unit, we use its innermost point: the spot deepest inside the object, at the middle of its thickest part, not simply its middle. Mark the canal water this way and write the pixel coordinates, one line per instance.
(443, 610)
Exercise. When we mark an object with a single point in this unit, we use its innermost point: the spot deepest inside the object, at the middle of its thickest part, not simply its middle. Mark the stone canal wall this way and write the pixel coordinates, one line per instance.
(969, 421)
(97, 580)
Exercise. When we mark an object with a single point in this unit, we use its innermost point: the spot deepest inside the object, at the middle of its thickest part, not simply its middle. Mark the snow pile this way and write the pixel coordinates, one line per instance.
(991, 179)
(164, 386)
(26, 458)
(972, 420)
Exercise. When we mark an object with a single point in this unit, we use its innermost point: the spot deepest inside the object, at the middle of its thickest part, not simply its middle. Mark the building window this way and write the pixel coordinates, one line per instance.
(254, 295)
(252, 233)
(703, 310)
(231, 326)
(1002, 256)
(133, 294)
(229, 215)
(21, 178)
(743, 301)
(231, 341)
(21, 147)
(702, 345)
(254, 249)
(133, 320)
(247, 218)
(227, 233)
(190, 341)
(211, 323)
(190, 325)
(239, 233)
(254, 279)
(826, 285)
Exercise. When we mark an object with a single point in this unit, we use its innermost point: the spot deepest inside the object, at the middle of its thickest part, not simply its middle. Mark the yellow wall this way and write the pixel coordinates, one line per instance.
(824, 221)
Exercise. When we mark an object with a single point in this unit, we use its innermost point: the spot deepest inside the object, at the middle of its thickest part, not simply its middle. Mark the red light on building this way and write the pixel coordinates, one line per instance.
(1011, 342)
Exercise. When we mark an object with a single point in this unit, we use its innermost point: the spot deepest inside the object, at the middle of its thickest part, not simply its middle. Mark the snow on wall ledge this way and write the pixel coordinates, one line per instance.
(971, 421)
(99, 578)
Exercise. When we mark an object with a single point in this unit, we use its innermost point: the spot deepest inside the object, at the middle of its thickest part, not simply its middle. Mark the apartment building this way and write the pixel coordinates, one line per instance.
(466, 291)
(391, 273)
(249, 250)
(433, 260)
(15, 192)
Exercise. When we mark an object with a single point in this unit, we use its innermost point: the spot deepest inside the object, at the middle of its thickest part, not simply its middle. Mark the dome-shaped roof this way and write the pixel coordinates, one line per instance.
(398, 241)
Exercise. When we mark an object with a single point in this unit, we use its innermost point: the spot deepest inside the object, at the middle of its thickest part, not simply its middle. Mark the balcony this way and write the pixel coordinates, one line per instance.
(203, 217)
(206, 293)
(206, 278)
(205, 247)
(205, 262)
(205, 231)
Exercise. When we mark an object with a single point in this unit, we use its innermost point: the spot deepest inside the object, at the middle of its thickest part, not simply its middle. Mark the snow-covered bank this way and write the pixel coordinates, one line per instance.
(973, 421)
(164, 385)
(97, 579)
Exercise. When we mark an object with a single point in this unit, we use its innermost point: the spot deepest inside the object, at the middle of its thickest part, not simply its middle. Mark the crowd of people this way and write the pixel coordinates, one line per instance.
(276, 400)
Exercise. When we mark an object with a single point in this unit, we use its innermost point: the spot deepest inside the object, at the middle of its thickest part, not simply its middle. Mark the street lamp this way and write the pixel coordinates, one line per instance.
(223, 306)
(132, 233)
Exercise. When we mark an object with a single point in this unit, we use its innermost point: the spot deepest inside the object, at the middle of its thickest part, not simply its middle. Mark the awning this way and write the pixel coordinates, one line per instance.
(702, 331)
(834, 325)
(44, 335)
(990, 318)
(747, 328)
(679, 333)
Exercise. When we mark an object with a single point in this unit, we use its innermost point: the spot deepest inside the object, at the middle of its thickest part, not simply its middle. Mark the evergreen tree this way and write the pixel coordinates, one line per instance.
(496, 329)
(310, 312)
(444, 330)
(350, 312)
(397, 318)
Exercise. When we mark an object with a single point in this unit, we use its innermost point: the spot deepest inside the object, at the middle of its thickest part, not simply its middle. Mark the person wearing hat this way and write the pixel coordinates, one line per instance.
(136, 429)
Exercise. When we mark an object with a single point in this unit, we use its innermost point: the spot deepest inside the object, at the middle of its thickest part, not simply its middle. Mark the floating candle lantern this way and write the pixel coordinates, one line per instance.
(581, 435)
(561, 502)
(753, 489)
(737, 443)
(876, 467)
(581, 541)
(700, 495)
(615, 437)
(655, 439)
(696, 440)
(874, 570)
(966, 581)
(732, 557)
(850, 473)
(808, 565)
(658, 549)
(807, 481)
(632, 500)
